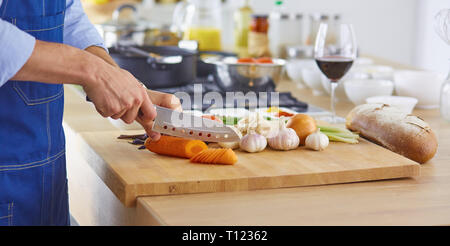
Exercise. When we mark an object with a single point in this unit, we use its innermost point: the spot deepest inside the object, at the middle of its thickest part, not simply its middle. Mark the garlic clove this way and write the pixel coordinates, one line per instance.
(286, 139)
(253, 142)
(317, 141)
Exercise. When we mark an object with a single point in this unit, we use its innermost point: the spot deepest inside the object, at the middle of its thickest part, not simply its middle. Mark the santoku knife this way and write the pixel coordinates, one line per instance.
(187, 125)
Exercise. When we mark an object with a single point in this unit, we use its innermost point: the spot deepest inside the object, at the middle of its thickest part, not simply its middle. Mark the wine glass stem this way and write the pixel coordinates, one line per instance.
(333, 111)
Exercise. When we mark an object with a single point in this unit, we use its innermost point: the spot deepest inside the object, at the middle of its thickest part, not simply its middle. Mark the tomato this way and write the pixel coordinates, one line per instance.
(264, 60)
(212, 117)
(246, 60)
(285, 114)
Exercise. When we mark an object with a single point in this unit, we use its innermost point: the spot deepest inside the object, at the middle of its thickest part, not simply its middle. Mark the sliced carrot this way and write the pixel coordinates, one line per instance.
(194, 158)
(175, 146)
(229, 157)
(219, 155)
(215, 156)
(203, 156)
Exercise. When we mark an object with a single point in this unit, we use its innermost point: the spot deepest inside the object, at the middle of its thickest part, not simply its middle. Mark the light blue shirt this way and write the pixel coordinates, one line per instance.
(16, 45)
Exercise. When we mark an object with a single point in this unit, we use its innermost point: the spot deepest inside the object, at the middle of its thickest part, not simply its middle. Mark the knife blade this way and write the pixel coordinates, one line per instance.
(187, 125)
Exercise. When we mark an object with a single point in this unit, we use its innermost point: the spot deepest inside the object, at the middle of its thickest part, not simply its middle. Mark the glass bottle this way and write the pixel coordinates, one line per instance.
(258, 40)
(315, 20)
(202, 22)
(242, 18)
(286, 28)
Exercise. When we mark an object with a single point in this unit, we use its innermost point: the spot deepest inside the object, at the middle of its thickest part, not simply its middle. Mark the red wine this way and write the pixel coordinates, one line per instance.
(334, 67)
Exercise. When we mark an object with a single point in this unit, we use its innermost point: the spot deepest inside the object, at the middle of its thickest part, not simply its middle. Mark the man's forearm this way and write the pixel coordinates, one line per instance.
(59, 63)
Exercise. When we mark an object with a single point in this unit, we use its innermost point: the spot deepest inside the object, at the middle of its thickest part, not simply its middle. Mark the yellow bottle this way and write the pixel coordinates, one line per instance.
(242, 19)
(208, 38)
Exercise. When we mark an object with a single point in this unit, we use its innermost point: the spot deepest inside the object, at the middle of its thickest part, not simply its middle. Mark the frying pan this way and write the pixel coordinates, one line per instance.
(156, 74)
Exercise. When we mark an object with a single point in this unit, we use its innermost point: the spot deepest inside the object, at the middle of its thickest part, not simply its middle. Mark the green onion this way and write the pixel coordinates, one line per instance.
(333, 129)
(339, 134)
(341, 139)
(342, 135)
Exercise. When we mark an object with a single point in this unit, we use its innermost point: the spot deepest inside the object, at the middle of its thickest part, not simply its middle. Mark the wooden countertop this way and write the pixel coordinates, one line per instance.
(424, 200)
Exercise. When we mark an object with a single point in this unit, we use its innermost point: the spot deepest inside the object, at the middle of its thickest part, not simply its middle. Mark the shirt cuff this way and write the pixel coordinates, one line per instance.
(17, 47)
(90, 37)
(101, 45)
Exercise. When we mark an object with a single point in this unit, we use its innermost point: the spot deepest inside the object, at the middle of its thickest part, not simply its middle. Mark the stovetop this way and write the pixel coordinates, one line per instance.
(201, 86)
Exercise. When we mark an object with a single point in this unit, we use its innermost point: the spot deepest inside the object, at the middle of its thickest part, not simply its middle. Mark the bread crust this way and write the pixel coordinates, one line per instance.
(402, 133)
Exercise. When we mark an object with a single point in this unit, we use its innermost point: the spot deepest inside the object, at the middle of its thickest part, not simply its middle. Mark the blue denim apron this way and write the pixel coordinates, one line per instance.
(33, 184)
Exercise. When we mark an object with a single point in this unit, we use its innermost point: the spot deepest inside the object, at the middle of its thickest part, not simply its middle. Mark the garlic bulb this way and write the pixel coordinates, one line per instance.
(254, 122)
(317, 141)
(286, 139)
(253, 142)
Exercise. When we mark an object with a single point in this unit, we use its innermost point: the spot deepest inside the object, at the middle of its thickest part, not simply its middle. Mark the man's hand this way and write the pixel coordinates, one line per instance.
(117, 94)
(163, 100)
(155, 97)
(158, 98)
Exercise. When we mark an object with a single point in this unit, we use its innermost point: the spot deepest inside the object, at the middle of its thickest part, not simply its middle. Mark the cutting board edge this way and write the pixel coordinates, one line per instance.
(407, 171)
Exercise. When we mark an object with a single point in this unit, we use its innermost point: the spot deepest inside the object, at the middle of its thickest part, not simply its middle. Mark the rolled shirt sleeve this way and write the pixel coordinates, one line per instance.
(16, 48)
(17, 45)
(78, 30)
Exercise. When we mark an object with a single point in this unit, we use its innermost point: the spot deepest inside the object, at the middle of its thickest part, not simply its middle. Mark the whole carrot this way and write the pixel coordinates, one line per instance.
(175, 146)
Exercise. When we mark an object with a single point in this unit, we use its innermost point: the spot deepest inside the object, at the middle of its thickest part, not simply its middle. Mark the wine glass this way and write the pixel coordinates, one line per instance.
(334, 51)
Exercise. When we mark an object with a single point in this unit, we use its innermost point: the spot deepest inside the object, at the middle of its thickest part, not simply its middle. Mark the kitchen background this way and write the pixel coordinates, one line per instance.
(402, 31)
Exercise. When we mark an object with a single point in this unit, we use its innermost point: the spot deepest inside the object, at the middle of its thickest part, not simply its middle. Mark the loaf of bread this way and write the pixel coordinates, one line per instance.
(402, 133)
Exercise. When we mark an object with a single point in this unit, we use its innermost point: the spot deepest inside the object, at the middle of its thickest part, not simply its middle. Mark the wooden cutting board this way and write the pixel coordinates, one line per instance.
(130, 172)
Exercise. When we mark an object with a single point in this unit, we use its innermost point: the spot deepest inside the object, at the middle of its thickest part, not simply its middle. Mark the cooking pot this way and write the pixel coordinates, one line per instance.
(133, 31)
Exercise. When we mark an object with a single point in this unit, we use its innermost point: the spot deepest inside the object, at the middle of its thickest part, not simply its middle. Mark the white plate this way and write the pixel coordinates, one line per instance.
(264, 112)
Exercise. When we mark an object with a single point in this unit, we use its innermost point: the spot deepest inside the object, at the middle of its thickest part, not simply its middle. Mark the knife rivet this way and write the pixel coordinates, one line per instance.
(225, 136)
(191, 132)
(209, 135)
(173, 129)
(165, 127)
(200, 134)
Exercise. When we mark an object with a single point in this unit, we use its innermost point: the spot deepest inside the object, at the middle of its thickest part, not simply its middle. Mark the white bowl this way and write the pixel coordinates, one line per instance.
(423, 85)
(375, 71)
(357, 90)
(406, 104)
(294, 70)
(312, 78)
